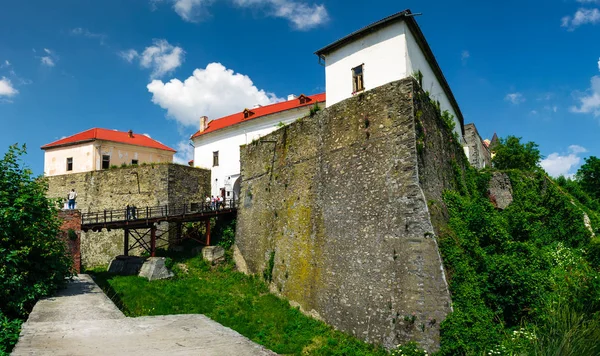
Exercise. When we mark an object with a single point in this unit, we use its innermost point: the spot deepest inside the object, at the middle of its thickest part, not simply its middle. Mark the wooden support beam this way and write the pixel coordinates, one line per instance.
(126, 243)
(208, 232)
(153, 241)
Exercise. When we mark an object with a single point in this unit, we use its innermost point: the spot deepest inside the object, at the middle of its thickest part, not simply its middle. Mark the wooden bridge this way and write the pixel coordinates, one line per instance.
(132, 219)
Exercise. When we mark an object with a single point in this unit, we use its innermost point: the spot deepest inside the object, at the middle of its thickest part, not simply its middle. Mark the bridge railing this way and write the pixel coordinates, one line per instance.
(132, 213)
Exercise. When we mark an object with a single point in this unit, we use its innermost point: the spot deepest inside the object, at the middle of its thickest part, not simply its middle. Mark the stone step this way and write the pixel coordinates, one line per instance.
(186, 334)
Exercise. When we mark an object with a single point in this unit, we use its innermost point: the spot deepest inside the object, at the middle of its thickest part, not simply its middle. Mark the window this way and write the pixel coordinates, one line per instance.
(105, 161)
(134, 161)
(303, 99)
(358, 83)
(247, 113)
(215, 158)
(70, 164)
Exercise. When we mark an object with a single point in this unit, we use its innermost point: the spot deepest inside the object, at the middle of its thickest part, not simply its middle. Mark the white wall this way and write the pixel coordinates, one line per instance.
(388, 54)
(416, 62)
(383, 54)
(228, 141)
(88, 156)
(55, 159)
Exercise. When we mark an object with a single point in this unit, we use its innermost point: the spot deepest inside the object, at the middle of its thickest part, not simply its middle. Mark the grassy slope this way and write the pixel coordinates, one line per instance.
(235, 300)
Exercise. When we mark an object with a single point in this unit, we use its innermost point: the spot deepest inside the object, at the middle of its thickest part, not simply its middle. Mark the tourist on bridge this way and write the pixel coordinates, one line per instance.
(71, 199)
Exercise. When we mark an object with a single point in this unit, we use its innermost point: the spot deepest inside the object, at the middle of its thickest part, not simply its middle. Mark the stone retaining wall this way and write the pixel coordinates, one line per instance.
(338, 205)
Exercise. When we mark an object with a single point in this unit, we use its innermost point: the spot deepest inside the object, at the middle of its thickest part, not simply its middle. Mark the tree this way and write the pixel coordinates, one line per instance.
(588, 176)
(34, 261)
(510, 153)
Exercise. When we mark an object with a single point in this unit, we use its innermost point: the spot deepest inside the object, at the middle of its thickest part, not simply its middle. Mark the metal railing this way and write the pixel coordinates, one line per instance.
(133, 213)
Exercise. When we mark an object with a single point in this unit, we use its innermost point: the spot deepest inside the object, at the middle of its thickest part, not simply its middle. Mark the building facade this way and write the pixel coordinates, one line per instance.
(217, 143)
(385, 51)
(97, 149)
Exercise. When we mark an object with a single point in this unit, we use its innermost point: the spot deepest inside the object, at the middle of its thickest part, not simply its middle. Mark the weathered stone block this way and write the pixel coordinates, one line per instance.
(154, 268)
(500, 190)
(126, 265)
(213, 253)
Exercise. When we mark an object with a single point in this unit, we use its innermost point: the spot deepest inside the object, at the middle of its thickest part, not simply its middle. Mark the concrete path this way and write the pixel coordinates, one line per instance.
(81, 320)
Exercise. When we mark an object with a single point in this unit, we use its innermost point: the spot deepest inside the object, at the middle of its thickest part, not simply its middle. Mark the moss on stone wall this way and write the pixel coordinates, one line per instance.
(341, 197)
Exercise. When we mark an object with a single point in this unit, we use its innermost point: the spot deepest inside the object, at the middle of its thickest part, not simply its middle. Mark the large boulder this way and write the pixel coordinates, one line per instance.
(154, 268)
(500, 190)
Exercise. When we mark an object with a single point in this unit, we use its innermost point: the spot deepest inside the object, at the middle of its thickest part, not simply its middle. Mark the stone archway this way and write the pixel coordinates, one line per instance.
(236, 188)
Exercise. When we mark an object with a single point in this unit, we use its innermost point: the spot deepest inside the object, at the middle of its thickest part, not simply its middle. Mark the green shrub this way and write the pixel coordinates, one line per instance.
(504, 266)
(9, 333)
(34, 259)
(512, 154)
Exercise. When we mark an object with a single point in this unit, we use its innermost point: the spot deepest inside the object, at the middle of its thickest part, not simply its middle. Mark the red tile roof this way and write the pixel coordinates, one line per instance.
(109, 135)
(255, 113)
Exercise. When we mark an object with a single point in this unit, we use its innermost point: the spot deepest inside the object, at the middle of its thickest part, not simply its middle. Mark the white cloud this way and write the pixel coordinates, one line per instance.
(562, 165)
(589, 1)
(590, 102)
(598, 63)
(129, 55)
(6, 88)
(47, 61)
(464, 56)
(515, 98)
(215, 92)
(303, 16)
(5, 64)
(577, 149)
(533, 112)
(162, 57)
(185, 152)
(79, 31)
(581, 17)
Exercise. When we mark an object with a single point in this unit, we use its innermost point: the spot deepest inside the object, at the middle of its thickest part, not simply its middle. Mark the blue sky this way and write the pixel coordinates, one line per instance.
(526, 68)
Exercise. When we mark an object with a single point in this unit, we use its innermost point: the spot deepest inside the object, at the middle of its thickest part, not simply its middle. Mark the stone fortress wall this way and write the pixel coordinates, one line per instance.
(339, 205)
(142, 186)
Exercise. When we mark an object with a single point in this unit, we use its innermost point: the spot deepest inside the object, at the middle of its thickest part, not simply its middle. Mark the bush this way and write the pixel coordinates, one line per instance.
(34, 260)
(512, 154)
(9, 333)
(504, 266)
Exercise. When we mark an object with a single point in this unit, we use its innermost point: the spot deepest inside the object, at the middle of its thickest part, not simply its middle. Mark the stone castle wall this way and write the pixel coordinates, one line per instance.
(479, 155)
(142, 186)
(339, 202)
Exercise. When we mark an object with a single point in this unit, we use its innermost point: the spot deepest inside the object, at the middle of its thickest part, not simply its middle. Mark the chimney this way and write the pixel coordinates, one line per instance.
(291, 97)
(203, 122)
(130, 132)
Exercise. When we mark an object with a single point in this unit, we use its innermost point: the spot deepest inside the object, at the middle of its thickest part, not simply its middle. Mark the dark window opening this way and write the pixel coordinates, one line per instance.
(105, 161)
(358, 83)
(134, 161)
(247, 113)
(70, 164)
(215, 158)
(303, 99)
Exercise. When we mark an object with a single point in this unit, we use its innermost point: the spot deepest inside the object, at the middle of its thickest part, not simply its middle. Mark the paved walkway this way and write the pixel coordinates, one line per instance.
(81, 320)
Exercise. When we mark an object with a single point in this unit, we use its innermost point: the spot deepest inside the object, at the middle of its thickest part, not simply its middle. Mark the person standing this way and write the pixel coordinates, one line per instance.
(71, 199)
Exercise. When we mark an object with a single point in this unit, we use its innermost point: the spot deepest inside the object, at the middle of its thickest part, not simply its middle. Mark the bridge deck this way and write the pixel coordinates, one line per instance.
(133, 217)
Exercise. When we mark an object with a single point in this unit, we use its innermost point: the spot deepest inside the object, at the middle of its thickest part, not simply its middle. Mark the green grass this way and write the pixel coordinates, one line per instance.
(235, 300)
